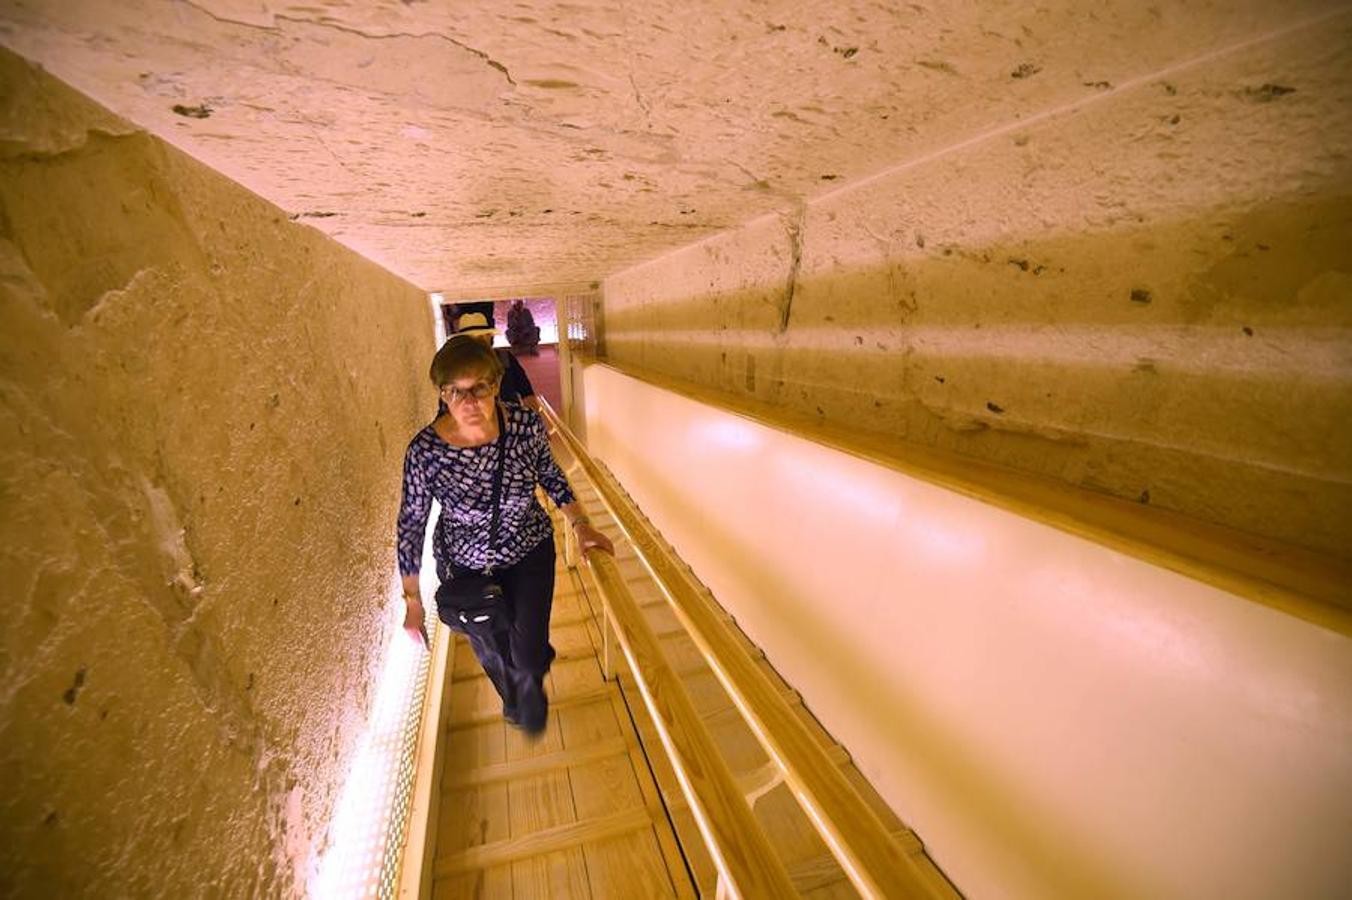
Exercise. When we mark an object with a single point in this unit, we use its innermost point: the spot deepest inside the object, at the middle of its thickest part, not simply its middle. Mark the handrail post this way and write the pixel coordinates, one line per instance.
(607, 642)
(570, 554)
(741, 852)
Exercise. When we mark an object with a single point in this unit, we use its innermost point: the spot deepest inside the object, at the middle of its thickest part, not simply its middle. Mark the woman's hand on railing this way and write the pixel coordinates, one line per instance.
(588, 537)
(414, 624)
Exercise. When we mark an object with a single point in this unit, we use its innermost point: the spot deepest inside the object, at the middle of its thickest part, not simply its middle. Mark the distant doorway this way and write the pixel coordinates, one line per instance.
(540, 358)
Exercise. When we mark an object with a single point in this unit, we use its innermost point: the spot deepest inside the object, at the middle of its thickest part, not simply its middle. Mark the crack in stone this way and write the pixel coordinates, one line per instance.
(399, 34)
(765, 186)
(225, 20)
(643, 104)
(794, 228)
(756, 180)
(346, 29)
(522, 121)
(314, 132)
(633, 83)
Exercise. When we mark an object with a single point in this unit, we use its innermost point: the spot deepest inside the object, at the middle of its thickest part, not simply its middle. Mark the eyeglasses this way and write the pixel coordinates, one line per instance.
(479, 390)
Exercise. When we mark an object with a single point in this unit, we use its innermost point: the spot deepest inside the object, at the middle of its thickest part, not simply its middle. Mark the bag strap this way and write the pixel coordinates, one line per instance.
(497, 488)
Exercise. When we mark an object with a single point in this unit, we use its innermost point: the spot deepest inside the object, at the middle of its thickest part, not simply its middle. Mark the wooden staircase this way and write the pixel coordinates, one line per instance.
(592, 809)
(812, 868)
(575, 813)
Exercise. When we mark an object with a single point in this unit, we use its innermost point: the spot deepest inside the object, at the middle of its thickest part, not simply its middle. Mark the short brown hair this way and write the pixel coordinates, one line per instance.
(462, 356)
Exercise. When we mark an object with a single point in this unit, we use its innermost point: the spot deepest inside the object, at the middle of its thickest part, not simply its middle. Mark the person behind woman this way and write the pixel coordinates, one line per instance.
(515, 386)
(454, 460)
(522, 332)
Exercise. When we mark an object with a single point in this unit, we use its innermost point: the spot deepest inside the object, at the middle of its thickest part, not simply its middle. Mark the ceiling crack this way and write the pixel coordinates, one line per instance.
(756, 180)
(314, 132)
(400, 34)
(633, 83)
(643, 104)
(224, 20)
(274, 29)
(794, 227)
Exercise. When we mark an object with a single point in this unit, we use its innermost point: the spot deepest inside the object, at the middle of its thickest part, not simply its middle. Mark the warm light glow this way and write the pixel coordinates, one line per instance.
(363, 821)
(848, 487)
(946, 540)
(729, 434)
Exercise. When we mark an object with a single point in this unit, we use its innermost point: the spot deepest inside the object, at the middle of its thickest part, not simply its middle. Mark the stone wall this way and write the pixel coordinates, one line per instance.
(204, 408)
(1147, 293)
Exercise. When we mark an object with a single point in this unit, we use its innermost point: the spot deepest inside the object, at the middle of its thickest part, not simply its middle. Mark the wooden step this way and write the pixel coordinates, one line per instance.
(548, 840)
(537, 765)
(487, 717)
(581, 619)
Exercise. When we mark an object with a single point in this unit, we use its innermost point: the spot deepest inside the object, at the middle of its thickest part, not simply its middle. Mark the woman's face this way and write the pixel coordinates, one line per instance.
(470, 399)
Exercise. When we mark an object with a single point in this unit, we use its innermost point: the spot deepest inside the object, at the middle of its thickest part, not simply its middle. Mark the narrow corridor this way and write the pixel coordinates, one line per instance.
(974, 381)
(594, 808)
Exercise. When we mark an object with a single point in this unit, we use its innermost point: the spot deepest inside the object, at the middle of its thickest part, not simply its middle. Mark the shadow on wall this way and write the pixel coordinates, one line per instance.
(1200, 366)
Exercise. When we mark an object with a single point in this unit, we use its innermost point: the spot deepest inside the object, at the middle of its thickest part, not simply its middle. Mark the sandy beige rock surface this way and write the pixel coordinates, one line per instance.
(1103, 245)
(201, 426)
(482, 146)
(1148, 294)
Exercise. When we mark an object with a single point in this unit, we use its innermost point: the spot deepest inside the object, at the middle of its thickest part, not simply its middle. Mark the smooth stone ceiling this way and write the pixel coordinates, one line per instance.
(486, 147)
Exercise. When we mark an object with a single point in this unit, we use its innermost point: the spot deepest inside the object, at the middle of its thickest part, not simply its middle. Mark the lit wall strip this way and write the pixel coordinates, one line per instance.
(371, 819)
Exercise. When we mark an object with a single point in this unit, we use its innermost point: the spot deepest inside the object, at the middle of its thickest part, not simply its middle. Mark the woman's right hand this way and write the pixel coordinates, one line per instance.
(589, 537)
(414, 621)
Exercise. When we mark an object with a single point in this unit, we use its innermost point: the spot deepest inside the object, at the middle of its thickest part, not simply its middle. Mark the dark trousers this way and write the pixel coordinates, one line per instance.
(517, 659)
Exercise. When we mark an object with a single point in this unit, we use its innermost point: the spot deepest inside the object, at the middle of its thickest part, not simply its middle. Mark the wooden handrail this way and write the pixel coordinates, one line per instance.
(872, 859)
(747, 865)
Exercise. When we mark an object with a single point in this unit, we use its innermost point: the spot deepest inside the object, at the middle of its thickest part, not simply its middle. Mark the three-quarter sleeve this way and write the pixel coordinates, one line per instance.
(547, 470)
(414, 507)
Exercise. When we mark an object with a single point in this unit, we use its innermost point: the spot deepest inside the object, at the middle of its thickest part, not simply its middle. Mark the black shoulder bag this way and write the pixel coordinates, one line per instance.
(474, 604)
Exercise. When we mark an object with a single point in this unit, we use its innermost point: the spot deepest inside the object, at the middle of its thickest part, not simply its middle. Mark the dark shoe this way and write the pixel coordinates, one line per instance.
(509, 713)
(534, 724)
(532, 706)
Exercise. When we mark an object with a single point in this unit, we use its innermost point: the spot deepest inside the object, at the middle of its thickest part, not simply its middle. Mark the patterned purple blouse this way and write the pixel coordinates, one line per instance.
(461, 480)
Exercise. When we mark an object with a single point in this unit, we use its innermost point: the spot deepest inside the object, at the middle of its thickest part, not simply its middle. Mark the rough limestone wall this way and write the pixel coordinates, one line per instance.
(1148, 294)
(202, 414)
